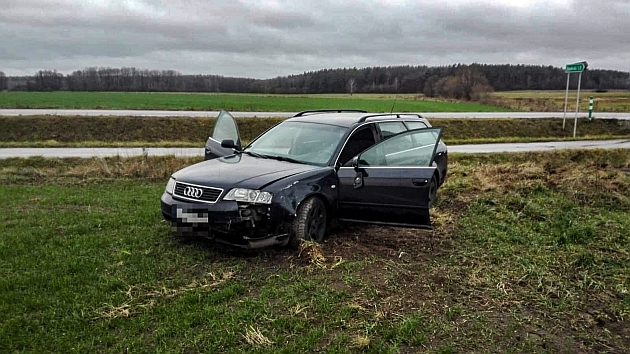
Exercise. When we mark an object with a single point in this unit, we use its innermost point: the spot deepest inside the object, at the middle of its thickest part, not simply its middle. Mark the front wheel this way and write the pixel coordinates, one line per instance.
(310, 222)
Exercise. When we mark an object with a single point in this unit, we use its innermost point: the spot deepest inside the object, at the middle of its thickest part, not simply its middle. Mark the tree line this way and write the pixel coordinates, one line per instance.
(3, 81)
(457, 81)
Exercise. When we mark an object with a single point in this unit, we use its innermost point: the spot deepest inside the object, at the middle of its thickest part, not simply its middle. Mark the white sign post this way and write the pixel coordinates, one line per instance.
(566, 100)
(577, 68)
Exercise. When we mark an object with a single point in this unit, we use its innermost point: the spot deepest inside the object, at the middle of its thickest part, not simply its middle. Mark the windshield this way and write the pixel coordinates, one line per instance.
(310, 143)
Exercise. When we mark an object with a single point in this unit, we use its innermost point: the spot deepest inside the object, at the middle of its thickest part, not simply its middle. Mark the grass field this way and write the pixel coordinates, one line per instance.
(231, 102)
(529, 254)
(553, 101)
(192, 132)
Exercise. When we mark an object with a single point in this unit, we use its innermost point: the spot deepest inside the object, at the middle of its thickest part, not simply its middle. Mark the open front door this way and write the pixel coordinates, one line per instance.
(390, 183)
(225, 128)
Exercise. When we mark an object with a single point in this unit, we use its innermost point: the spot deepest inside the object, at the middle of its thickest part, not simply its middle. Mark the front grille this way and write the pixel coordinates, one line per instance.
(207, 195)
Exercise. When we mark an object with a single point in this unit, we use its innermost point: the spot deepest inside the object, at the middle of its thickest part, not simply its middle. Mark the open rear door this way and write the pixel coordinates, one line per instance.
(225, 128)
(390, 182)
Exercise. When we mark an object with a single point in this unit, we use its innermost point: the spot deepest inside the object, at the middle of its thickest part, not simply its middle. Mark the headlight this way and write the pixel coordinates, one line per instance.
(170, 185)
(249, 196)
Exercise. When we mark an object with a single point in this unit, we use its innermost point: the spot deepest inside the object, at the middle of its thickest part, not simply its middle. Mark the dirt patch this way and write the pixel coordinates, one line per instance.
(358, 242)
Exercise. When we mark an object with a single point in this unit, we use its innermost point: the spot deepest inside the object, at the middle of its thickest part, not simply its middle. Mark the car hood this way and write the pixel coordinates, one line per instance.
(239, 170)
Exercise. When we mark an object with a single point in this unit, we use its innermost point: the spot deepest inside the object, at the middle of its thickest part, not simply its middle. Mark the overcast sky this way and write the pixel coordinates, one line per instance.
(263, 39)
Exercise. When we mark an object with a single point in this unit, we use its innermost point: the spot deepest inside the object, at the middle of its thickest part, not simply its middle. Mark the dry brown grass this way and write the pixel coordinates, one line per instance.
(111, 312)
(139, 132)
(361, 342)
(129, 129)
(138, 300)
(553, 101)
(311, 252)
(567, 170)
(154, 168)
(38, 169)
(299, 310)
(209, 282)
(255, 337)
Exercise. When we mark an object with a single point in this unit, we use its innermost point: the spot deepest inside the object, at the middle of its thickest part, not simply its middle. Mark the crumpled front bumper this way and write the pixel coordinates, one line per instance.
(237, 224)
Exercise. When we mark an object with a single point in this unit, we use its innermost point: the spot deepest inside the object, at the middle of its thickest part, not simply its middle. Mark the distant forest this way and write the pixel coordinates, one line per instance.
(458, 81)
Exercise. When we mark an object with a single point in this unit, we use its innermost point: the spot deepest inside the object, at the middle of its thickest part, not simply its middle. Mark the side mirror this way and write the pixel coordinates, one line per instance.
(229, 143)
(355, 162)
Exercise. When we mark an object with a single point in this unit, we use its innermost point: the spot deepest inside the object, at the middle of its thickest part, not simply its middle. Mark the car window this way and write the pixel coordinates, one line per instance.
(391, 128)
(282, 142)
(225, 128)
(310, 143)
(415, 125)
(360, 140)
(398, 151)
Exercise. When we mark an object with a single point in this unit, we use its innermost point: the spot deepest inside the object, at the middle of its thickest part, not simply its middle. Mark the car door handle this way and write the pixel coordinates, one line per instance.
(358, 180)
(419, 182)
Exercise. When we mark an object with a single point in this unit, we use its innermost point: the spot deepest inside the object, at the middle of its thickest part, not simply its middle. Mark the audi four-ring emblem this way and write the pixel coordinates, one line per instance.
(193, 192)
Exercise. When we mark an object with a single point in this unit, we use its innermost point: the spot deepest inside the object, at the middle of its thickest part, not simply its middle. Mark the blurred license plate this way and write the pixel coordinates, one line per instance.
(192, 216)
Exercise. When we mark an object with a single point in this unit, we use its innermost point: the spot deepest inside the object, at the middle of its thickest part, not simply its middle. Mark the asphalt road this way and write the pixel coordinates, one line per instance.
(543, 146)
(197, 152)
(212, 114)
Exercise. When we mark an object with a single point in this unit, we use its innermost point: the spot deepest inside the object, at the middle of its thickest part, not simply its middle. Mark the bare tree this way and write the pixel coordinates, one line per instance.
(429, 86)
(47, 80)
(351, 85)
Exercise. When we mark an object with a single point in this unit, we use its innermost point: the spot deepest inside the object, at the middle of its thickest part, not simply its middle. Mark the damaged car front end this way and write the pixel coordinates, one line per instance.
(243, 217)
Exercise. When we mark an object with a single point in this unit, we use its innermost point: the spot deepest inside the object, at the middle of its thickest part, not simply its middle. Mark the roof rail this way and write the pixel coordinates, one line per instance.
(397, 115)
(303, 113)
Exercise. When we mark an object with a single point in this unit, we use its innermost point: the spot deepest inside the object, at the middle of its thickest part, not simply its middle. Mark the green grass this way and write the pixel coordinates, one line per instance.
(231, 102)
(44, 131)
(529, 254)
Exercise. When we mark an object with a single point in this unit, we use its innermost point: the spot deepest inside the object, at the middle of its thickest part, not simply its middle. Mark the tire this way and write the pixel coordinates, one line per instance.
(310, 222)
(433, 187)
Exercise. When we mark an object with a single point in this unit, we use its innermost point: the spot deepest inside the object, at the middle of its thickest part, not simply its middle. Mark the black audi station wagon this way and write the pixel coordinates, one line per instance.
(289, 183)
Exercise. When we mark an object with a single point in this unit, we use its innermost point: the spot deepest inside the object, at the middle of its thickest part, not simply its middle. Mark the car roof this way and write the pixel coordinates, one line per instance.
(348, 119)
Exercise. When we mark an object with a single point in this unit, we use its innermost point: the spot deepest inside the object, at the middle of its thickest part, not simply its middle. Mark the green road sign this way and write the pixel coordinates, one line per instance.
(575, 67)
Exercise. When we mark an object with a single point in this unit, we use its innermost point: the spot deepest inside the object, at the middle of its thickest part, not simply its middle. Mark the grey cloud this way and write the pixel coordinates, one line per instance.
(268, 38)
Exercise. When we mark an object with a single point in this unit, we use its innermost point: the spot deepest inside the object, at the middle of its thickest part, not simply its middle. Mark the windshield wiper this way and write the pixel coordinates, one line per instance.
(284, 158)
(255, 154)
(275, 157)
